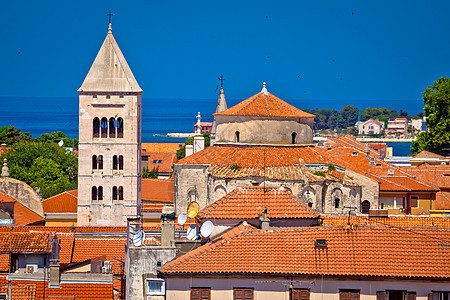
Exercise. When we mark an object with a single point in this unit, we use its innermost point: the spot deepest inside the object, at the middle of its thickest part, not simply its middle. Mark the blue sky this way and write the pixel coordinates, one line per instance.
(367, 53)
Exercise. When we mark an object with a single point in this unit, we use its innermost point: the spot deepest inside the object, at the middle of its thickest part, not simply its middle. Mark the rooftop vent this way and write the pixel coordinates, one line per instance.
(391, 172)
(354, 153)
(321, 243)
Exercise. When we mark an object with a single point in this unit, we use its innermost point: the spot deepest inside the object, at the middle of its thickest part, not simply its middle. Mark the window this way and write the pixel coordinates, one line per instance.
(299, 294)
(120, 128)
(294, 135)
(414, 201)
(200, 293)
(104, 126)
(157, 161)
(336, 202)
(115, 162)
(112, 128)
(94, 162)
(346, 294)
(242, 294)
(365, 207)
(436, 296)
(354, 153)
(156, 286)
(237, 133)
(96, 127)
(108, 97)
(100, 193)
(100, 162)
(114, 192)
(396, 295)
(120, 162)
(120, 192)
(94, 193)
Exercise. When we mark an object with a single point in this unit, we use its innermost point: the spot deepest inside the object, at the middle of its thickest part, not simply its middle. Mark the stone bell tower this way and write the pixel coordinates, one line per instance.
(109, 161)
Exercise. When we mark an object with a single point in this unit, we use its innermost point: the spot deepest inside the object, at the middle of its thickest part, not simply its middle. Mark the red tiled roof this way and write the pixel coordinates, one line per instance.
(4, 198)
(34, 242)
(249, 202)
(365, 251)
(436, 175)
(20, 291)
(157, 190)
(64, 202)
(167, 159)
(395, 221)
(424, 154)
(24, 216)
(263, 104)
(4, 262)
(160, 147)
(443, 200)
(254, 156)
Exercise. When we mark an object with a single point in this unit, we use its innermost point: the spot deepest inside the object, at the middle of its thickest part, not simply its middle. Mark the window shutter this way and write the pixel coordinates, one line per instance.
(430, 296)
(381, 296)
(195, 294)
(206, 294)
(344, 296)
(411, 296)
(243, 294)
(201, 294)
(299, 294)
(248, 294)
(355, 296)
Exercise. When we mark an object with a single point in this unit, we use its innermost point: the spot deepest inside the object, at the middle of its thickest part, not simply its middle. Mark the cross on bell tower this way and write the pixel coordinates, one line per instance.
(110, 15)
(221, 80)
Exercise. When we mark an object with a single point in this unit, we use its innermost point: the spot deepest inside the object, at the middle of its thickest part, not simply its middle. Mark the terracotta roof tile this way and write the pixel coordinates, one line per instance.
(4, 262)
(24, 216)
(25, 242)
(365, 251)
(4, 198)
(249, 202)
(395, 221)
(438, 176)
(425, 153)
(64, 202)
(20, 291)
(160, 147)
(443, 200)
(157, 190)
(166, 159)
(263, 104)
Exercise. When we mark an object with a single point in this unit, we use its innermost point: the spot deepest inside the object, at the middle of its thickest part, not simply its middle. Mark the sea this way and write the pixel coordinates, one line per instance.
(38, 115)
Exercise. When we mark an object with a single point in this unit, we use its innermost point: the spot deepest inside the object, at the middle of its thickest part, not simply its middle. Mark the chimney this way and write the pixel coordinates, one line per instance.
(189, 150)
(54, 277)
(199, 143)
(264, 219)
(168, 226)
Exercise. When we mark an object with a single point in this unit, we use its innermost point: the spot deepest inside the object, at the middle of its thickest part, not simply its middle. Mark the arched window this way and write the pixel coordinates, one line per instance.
(115, 162)
(112, 128)
(94, 193)
(294, 135)
(114, 192)
(100, 162)
(365, 207)
(337, 202)
(120, 192)
(94, 162)
(120, 162)
(236, 134)
(96, 127)
(120, 128)
(100, 193)
(104, 126)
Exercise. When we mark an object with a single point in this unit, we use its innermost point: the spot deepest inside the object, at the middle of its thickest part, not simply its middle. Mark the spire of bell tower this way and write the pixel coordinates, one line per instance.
(221, 105)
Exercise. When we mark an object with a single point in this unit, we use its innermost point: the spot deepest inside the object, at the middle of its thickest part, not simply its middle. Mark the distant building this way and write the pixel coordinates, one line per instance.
(416, 125)
(398, 126)
(429, 158)
(204, 127)
(370, 127)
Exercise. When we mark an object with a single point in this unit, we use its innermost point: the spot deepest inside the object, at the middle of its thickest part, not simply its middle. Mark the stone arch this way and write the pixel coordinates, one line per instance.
(112, 127)
(237, 136)
(337, 198)
(104, 127)
(293, 136)
(192, 195)
(119, 128)
(308, 196)
(365, 207)
(219, 192)
(96, 127)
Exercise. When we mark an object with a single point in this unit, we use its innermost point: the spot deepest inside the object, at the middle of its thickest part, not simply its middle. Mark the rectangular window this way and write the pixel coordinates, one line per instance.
(414, 201)
(299, 294)
(156, 287)
(200, 293)
(347, 294)
(438, 295)
(157, 161)
(242, 294)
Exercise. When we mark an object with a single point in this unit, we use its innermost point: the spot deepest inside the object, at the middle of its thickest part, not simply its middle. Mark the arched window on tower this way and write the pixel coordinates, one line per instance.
(365, 207)
(94, 162)
(120, 192)
(236, 136)
(120, 128)
(294, 135)
(94, 193)
(96, 128)
(100, 193)
(115, 162)
(120, 162)
(112, 128)
(114, 192)
(100, 162)
(104, 127)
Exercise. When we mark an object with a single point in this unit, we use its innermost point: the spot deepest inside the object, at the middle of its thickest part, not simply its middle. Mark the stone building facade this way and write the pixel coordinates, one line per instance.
(109, 171)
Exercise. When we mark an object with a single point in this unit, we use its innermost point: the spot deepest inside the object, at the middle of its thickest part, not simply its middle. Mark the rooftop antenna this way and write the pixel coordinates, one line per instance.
(350, 208)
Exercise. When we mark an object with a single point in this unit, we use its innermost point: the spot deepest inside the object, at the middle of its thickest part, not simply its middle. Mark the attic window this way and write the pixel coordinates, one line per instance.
(391, 172)
(354, 153)
(157, 161)
(321, 243)
(95, 96)
(108, 97)
(121, 96)
(378, 165)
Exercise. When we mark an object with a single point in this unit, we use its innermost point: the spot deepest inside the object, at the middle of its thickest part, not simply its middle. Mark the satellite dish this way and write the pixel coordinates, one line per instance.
(60, 143)
(192, 232)
(138, 238)
(207, 229)
(193, 209)
(182, 218)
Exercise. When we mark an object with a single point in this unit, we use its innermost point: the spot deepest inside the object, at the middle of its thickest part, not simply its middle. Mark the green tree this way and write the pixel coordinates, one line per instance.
(58, 136)
(45, 165)
(9, 135)
(437, 113)
(348, 116)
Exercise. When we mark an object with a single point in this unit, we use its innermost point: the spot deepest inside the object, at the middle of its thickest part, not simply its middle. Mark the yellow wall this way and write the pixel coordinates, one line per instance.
(60, 223)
